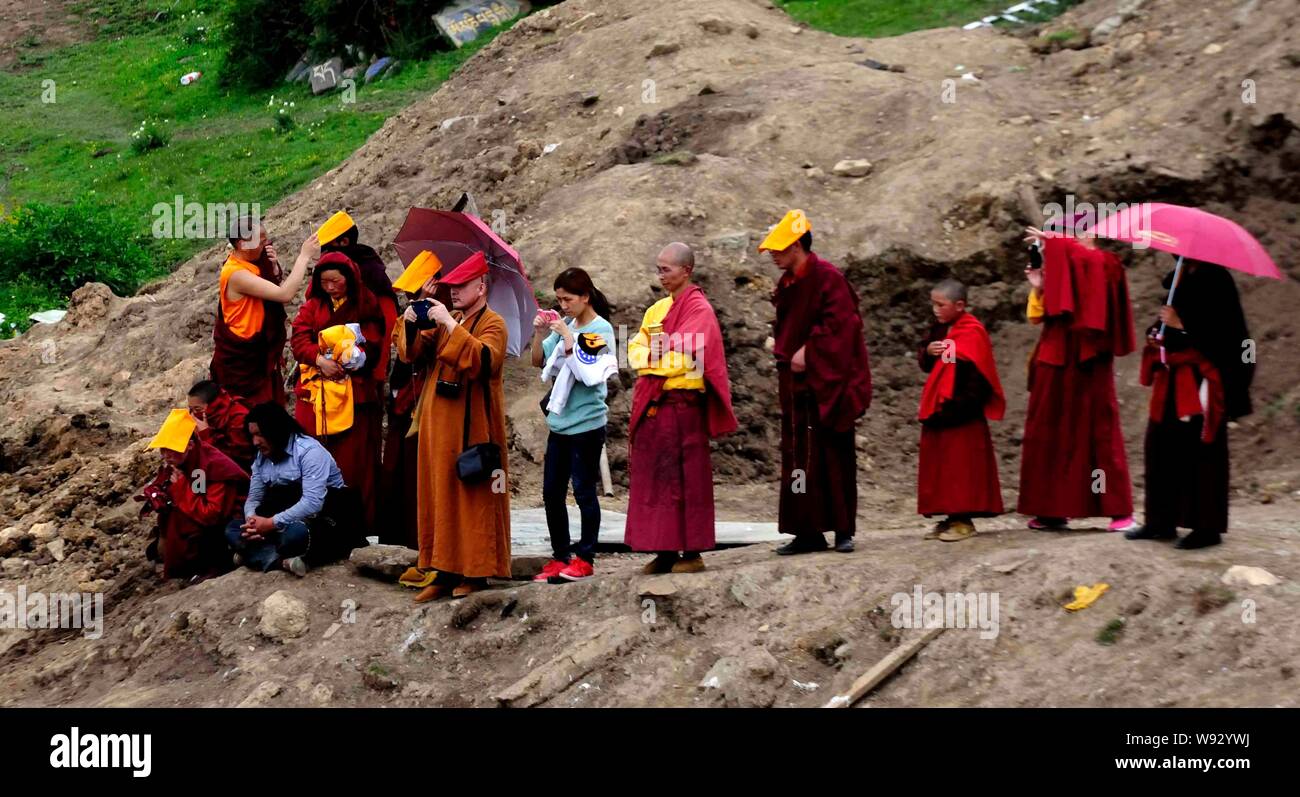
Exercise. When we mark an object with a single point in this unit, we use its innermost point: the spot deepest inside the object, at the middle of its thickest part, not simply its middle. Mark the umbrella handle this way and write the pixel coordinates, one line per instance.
(1169, 300)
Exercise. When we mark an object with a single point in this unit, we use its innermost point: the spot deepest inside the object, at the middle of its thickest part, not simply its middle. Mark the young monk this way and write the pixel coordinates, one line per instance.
(220, 418)
(958, 474)
(338, 399)
(248, 336)
(194, 493)
(682, 398)
(1200, 381)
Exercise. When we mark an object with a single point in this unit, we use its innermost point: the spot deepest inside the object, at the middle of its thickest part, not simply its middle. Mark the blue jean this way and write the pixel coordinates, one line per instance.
(576, 457)
(265, 554)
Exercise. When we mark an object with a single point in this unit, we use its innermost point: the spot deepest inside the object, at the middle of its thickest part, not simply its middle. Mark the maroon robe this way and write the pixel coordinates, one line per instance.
(356, 450)
(227, 420)
(192, 530)
(818, 311)
(1073, 444)
(958, 470)
(670, 500)
(251, 367)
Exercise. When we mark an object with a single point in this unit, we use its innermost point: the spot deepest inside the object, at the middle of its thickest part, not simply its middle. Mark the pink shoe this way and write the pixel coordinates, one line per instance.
(551, 568)
(1123, 524)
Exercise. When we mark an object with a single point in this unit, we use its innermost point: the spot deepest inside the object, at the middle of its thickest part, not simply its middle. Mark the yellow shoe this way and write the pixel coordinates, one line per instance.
(416, 578)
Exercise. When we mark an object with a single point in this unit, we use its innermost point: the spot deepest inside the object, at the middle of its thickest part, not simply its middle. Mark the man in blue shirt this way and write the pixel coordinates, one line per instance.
(298, 507)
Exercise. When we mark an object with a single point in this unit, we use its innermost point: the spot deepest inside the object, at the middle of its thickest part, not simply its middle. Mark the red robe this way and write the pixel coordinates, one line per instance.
(356, 450)
(670, 500)
(192, 530)
(227, 419)
(818, 311)
(1073, 463)
(375, 277)
(958, 469)
(251, 367)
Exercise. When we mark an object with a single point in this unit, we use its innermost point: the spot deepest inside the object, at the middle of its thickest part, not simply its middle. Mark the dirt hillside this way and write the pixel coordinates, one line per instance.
(601, 131)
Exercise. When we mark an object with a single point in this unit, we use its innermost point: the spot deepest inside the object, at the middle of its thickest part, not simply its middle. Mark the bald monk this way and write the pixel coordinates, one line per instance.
(249, 334)
(220, 418)
(1073, 463)
(824, 380)
(958, 469)
(464, 516)
(340, 234)
(682, 398)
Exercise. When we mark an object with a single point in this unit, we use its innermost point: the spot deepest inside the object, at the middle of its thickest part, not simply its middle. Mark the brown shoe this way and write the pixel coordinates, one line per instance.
(939, 528)
(692, 565)
(660, 564)
(432, 593)
(466, 588)
(958, 531)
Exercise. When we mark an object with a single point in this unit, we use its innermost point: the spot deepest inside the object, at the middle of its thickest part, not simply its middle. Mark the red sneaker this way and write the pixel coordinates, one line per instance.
(552, 568)
(578, 570)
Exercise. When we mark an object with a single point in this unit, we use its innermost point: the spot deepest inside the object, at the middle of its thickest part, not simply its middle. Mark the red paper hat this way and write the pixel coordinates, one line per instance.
(474, 266)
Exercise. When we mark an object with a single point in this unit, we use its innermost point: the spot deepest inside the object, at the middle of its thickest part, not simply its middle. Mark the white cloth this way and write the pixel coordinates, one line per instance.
(567, 369)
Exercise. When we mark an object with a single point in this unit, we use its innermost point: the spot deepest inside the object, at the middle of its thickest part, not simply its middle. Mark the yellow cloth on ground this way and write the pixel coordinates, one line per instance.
(1035, 309)
(1086, 596)
(332, 398)
(678, 367)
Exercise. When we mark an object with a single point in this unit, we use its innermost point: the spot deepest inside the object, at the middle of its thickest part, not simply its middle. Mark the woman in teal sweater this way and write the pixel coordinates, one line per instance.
(577, 430)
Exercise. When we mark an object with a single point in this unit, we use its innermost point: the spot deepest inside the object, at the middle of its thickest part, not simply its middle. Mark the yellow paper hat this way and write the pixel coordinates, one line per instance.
(425, 265)
(788, 230)
(176, 432)
(338, 224)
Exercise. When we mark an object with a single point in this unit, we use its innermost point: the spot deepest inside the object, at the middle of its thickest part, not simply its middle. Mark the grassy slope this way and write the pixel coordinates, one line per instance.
(888, 17)
(223, 147)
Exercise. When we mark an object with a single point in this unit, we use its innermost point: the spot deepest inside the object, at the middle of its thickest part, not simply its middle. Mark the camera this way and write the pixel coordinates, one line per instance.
(447, 389)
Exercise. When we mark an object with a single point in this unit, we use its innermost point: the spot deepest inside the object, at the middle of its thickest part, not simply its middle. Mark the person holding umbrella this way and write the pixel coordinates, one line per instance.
(1200, 380)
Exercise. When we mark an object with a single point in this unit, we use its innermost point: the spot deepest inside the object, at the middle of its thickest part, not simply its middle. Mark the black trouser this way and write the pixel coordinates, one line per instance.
(575, 456)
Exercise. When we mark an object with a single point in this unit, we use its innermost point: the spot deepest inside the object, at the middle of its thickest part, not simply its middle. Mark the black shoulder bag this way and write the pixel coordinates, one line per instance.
(478, 462)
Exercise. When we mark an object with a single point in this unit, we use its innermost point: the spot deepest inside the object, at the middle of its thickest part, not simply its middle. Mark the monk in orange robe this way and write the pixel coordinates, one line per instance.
(464, 517)
(248, 336)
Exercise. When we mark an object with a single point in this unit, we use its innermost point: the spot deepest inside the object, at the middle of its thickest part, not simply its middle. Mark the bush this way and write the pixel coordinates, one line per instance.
(150, 135)
(62, 247)
(260, 40)
(401, 28)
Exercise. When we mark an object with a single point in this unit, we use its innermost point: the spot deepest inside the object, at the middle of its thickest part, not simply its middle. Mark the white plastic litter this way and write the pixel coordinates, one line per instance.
(45, 316)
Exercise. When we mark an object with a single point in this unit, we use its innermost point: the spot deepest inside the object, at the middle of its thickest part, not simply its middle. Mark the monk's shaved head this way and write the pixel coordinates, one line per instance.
(679, 254)
(952, 290)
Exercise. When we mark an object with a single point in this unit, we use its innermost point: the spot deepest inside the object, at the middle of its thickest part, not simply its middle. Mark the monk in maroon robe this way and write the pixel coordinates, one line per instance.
(1073, 463)
(338, 297)
(824, 381)
(958, 473)
(374, 276)
(222, 421)
(682, 398)
(248, 336)
(1200, 378)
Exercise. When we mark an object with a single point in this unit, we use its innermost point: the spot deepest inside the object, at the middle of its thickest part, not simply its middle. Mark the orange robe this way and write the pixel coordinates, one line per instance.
(463, 528)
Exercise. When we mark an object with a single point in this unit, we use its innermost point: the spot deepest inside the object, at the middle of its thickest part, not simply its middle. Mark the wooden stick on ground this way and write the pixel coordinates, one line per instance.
(883, 669)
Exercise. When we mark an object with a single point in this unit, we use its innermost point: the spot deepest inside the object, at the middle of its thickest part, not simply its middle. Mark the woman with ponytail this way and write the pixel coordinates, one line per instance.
(576, 353)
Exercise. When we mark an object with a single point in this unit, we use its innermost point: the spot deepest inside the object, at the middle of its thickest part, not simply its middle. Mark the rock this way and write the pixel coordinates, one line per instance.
(1213, 48)
(1244, 576)
(15, 568)
(853, 167)
(384, 562)
(260, 696)
(751, 30)
(377, 678)
(43, 532)
(321, 695)
(523, 568)
(746, 591)
(1106, 28)
(716, 25)
(284, 617)
(378, 68)
(588, 98)
(665, 47)
(55, 547)
(744, 680)
(662, 586)
(736, 239)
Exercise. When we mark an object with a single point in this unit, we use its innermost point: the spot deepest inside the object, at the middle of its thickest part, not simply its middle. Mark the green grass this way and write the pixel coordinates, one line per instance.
(223, 145)
(875, 18)
(1111, 632)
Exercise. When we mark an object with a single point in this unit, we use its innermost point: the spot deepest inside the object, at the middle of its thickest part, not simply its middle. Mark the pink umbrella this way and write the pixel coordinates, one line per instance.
(453, 237)
(1188, 232)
